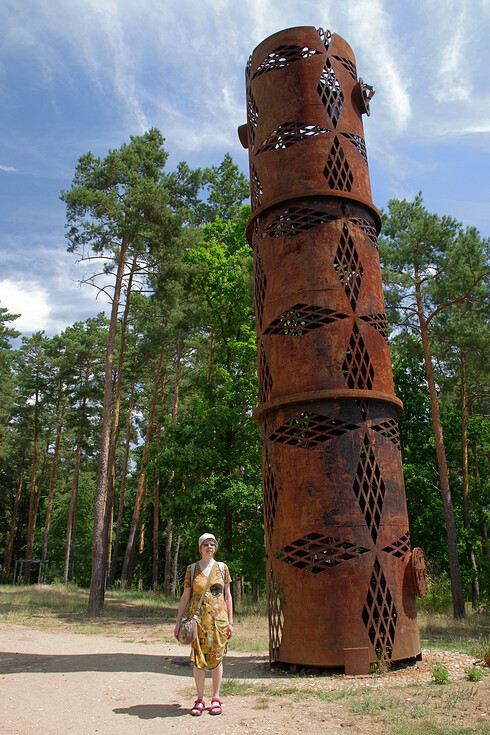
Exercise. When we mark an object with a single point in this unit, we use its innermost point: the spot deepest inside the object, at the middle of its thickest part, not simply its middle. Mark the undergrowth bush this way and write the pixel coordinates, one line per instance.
(440, 674)
(438, 598)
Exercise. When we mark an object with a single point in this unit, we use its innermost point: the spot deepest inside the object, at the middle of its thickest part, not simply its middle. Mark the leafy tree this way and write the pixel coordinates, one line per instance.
(8, 473)
(425, 509)
(119, 207)
(214, 449)
(431, 264)
(462, 347)
(227, 189)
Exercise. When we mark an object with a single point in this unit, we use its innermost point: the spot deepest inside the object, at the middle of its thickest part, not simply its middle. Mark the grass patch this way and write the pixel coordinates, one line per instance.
(251, 627)
(467, 635)
(244, 689)
(55, 606)
(370, 702)
(429, 727)
(332, 696)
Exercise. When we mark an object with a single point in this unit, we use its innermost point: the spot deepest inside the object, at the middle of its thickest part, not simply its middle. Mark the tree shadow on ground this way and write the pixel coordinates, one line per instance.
(243, 667)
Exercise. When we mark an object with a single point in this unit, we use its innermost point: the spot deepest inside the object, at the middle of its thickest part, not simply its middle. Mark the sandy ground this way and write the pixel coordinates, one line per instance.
(60, 682)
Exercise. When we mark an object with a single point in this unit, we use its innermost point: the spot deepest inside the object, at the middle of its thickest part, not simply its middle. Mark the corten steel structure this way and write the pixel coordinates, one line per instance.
(342, 578)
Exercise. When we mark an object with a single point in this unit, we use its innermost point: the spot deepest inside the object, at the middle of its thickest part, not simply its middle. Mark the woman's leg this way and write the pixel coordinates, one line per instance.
(217, 675)
(199, 678)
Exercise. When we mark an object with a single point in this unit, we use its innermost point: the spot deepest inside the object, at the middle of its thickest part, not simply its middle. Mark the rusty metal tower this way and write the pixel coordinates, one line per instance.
(342, 577)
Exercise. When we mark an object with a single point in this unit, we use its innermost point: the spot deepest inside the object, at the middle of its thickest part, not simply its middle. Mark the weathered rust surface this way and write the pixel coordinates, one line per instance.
(339, 561)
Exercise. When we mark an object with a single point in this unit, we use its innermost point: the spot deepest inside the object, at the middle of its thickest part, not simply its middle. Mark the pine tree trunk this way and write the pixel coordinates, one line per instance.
(71, 507)
(156, 504)
(212, 340)
(49, 506)
(122, 490)
(40, 485)
(71, 571)
(237, 597)
(168, 560)
(175, 566)
(454, 568)
(99, 558)
(130, 548)
(7, 559)
(32, 498)
(177, 378)
(465, 485)
(109, 503)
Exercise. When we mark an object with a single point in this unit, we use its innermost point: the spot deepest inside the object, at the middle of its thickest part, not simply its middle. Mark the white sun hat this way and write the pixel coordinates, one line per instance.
(205, 537)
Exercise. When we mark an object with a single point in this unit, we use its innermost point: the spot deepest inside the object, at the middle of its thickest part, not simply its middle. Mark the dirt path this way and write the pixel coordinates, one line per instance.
(60, 683)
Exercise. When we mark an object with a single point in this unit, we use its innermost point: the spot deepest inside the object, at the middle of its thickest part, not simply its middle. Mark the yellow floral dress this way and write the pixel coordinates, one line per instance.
(211, 643)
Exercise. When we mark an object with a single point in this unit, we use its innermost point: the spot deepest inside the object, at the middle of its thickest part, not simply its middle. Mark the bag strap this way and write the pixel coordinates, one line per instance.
(204, 591)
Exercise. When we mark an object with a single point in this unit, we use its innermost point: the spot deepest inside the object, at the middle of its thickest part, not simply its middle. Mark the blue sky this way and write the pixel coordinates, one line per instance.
(80, 75)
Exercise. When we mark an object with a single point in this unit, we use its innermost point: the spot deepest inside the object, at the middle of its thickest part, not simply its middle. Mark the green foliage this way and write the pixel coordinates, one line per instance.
(227, 190)
(472, 673)
(439, 674)
(193, 293)
(436, 288)
(438, 598)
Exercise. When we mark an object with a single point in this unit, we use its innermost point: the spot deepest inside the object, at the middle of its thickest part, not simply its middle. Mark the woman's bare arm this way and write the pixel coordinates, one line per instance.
(184, 601)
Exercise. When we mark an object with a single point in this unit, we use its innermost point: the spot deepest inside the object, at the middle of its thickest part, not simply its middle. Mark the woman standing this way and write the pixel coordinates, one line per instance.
(214, 621)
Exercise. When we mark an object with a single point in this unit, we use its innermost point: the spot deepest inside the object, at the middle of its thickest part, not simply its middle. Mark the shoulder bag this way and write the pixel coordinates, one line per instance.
(188, 627)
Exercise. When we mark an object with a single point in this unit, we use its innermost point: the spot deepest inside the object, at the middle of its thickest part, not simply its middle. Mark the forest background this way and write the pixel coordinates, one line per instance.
(123, 438)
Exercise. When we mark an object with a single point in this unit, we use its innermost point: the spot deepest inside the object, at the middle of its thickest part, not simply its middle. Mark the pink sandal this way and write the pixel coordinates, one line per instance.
(199, 705)
(215, 709)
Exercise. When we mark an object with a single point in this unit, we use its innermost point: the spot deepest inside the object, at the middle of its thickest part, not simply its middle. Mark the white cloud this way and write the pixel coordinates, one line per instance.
(372, 38)
(29, 299)
(450, 48)
(9, 169)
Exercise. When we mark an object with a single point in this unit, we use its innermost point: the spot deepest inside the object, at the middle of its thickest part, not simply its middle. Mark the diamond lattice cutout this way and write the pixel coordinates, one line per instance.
(295, 220)
(347, 64)
(378, 321)
(325, 37)
(399, 548)
(390, 430)
(284, 56)
(379, 614)
(260, 280)
(252, 110)
(255, 187)
(369, 488)
(270, 498)
(349, 267)
(330, 92)
(337, 170)
(368, 227)
(358, 143)
(302, 318)
(307, 430)
(288, 134)
(276, 618)
(316, 553)
(357, 368)
(265, 378)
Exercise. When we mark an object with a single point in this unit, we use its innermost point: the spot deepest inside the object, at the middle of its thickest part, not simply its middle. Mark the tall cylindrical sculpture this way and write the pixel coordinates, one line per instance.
(342, 577)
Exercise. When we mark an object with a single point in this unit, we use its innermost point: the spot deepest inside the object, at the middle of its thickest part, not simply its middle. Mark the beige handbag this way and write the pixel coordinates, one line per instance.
(188, 627)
